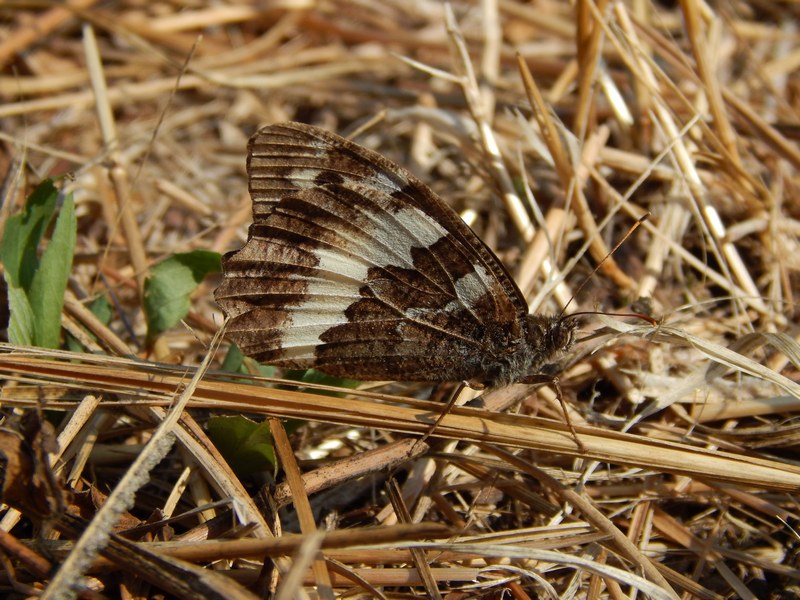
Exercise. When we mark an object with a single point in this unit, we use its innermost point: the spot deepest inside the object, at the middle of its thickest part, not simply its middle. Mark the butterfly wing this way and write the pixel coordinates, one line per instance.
(355, 267)
(287, 157)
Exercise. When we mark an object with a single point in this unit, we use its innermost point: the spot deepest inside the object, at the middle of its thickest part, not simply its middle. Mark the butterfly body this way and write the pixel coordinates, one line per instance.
(356, 268)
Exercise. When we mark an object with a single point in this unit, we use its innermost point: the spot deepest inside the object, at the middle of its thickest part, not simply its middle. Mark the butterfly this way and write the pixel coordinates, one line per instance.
(356, 268)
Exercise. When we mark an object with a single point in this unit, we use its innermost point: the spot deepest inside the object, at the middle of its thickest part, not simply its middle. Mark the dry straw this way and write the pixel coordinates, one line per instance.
(553, 126)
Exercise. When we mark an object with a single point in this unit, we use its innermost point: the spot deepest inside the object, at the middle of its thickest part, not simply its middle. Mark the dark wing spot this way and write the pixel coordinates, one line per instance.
(326, 177)
(404, 193)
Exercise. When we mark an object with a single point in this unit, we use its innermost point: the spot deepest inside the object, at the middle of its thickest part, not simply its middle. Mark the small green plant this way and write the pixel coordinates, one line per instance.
(101, 308)
(245, 444)
(36, 272)
(171, 282)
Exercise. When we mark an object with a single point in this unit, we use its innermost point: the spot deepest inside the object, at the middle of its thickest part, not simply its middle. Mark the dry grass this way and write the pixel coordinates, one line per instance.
(687, 483)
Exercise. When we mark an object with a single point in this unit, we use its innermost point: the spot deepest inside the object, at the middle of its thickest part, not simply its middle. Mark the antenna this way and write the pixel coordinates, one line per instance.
(633, 228)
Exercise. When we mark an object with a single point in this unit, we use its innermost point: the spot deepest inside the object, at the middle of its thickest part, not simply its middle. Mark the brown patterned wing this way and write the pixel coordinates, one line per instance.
(354, 267)
(287, 157)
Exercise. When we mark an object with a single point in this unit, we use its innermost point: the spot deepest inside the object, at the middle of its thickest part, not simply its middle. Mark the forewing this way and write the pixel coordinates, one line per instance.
(287, 157)
(355, 267)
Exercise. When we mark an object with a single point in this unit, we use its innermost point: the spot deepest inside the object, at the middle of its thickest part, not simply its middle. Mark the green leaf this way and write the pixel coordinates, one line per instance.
(20, 325)
(101, 308)
(36, 285)
(46, 293)
(262, 370)
(236, 362)
(171, 283)
(314, 376)
(245, 444)
(23, 233)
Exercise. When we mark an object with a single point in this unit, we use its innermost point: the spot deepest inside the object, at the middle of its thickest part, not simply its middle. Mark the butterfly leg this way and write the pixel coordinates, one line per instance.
(448, 407)
(555, 382)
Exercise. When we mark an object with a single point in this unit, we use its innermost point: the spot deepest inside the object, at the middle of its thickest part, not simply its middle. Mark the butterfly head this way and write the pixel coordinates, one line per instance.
(547, 337)
(552, 333)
